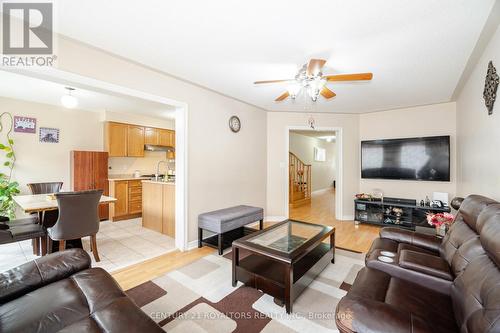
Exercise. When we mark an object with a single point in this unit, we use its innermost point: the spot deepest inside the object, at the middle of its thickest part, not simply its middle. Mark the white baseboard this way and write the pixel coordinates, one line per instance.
(194, 244)
(274, 218)
(347, 218)
(323, 190)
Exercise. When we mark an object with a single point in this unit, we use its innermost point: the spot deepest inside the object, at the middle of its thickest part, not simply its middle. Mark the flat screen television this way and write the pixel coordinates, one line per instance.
(425, 158)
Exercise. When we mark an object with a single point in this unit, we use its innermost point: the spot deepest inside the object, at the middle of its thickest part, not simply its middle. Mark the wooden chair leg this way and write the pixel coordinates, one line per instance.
(93, 246)
(62, 245)
(43, 241)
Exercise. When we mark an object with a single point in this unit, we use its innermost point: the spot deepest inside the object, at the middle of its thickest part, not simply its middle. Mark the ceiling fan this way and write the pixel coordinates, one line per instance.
(314, 82)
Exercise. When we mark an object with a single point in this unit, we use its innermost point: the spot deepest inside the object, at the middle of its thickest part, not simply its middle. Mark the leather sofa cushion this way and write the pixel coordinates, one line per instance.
(425, 263)
(89, 300)
(380, 303)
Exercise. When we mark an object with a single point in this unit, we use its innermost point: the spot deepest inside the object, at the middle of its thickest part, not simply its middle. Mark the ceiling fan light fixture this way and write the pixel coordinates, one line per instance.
(294, 90)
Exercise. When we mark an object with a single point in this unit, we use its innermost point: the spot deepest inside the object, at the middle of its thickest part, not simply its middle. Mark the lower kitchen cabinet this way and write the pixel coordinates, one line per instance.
(129, 199)
(158, 202)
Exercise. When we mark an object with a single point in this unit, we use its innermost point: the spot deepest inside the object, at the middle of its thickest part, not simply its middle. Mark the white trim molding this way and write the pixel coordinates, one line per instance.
(338, 162)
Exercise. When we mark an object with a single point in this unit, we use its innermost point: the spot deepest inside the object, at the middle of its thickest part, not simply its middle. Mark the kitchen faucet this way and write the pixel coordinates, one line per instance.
(157, 174)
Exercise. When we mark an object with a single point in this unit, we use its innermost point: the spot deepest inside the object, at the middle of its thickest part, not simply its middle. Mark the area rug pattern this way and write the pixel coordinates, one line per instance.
(199, 298)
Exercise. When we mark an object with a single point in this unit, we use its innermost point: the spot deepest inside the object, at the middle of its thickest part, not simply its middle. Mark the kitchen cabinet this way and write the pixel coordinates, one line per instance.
(129, 199)
(135, 141)
(166, 137)
(121, 140)
(116, 136)
(150, 136)
(159, 137)
(158, 202)
(89, 171)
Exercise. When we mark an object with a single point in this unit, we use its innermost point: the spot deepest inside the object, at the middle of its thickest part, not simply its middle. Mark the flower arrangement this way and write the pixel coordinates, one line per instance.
(440, 219)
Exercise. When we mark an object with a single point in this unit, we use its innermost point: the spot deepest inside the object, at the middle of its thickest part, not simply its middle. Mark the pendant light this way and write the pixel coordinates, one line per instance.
(69, 101)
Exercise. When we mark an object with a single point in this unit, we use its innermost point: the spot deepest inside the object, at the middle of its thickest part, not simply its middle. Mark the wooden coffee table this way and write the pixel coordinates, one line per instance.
(283, 259)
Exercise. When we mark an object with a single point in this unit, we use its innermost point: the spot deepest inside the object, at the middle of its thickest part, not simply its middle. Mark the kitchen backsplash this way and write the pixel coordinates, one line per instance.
(146, 164)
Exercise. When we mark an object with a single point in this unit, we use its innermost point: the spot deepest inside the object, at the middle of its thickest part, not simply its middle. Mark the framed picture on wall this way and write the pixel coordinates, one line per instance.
(50, 135)
(319, 154)
(24, 124)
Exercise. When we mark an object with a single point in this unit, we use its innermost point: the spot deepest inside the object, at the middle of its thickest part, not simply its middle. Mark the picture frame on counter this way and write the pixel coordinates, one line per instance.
(24, 124)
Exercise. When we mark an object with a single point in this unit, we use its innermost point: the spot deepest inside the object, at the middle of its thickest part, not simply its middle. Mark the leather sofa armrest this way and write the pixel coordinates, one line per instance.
(425, 263)
(32, 275)
(359, 314)
(429, 242)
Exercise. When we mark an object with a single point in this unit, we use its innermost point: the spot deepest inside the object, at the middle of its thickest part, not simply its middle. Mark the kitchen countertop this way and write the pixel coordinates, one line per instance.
(126, 177)
(158, 182)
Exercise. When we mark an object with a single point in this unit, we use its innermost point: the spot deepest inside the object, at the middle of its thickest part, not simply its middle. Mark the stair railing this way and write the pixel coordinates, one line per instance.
(299, 178)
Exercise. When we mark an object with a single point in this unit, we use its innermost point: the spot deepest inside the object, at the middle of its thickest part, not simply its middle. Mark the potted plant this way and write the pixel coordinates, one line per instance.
(8, 188)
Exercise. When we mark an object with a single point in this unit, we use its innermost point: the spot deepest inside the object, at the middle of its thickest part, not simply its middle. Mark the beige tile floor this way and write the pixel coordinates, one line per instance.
(120, 244)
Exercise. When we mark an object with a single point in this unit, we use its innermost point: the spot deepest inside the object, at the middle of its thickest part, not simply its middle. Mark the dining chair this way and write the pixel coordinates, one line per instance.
(78, 217)
(48, 218)
(45, 188)
(23, 229)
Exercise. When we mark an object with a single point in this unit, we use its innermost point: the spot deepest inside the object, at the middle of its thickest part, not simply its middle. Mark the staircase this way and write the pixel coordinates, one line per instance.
(299, 192)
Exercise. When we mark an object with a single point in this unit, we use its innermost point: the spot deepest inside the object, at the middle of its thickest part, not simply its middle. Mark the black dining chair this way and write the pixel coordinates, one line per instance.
(23, 229)
(78, 217)
(47, 218)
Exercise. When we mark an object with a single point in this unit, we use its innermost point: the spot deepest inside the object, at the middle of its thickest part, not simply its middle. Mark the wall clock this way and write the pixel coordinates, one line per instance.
(235, 124)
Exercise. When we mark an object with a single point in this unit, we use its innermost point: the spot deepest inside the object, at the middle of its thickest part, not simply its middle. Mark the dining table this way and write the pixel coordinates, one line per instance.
(41, 203)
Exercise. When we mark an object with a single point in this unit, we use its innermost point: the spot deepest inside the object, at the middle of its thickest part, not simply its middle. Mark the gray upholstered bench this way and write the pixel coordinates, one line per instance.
(224, 220)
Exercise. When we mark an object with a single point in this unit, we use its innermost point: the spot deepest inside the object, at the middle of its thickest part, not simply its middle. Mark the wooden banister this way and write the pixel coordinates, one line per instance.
(299, 179)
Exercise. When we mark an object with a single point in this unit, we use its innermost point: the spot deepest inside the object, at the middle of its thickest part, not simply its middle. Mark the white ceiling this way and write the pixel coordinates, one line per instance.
(417, 49)
(36, 90)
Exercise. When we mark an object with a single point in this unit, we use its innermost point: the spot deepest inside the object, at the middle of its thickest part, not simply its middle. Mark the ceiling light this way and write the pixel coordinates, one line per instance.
(69, 101)
(294, 89)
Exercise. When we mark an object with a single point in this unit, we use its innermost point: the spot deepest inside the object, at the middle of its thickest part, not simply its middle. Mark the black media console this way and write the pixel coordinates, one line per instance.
(404, 213)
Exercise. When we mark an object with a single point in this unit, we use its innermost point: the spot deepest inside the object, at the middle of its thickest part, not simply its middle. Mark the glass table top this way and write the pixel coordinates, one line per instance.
(287, 237)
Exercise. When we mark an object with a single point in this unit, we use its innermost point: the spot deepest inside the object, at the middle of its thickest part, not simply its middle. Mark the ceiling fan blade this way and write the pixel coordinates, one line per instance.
(349, 77)
(314, 66)
(273, 81)
(327, 93)
(282, 96)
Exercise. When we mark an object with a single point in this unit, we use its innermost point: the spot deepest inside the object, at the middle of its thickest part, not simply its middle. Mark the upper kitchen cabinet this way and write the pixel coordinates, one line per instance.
(122, 140)
(150, 136)
(135, 142)
(159, 137)
(115, 139)
(166, 137)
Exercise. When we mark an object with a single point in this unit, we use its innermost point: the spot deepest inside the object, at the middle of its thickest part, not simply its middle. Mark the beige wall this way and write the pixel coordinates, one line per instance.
(322, 173)
(479, 133)
(225, 168)
(431, 120)
(278, 124)
(42, 162)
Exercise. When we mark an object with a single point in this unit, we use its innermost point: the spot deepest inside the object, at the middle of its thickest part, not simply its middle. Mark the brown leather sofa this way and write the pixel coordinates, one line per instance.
(451, 285)
(427, 260)
(61, 293)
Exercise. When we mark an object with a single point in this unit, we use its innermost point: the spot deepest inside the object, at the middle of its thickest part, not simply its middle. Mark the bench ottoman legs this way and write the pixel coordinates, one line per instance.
(219, 240)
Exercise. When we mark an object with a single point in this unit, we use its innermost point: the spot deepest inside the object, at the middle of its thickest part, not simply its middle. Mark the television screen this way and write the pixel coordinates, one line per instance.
(414, 159)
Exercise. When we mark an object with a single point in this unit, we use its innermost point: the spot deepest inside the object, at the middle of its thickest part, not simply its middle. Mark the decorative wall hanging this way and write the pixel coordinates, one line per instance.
(311, 122)
(235, 124)
(24, 124)
(50, 135)
(490, 87)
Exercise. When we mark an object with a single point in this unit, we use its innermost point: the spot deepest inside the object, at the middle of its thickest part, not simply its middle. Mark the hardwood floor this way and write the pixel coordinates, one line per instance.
(134, 275)
(322, 211)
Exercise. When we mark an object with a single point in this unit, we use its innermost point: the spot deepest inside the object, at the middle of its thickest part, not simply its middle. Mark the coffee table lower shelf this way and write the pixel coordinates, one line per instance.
(284, 281)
